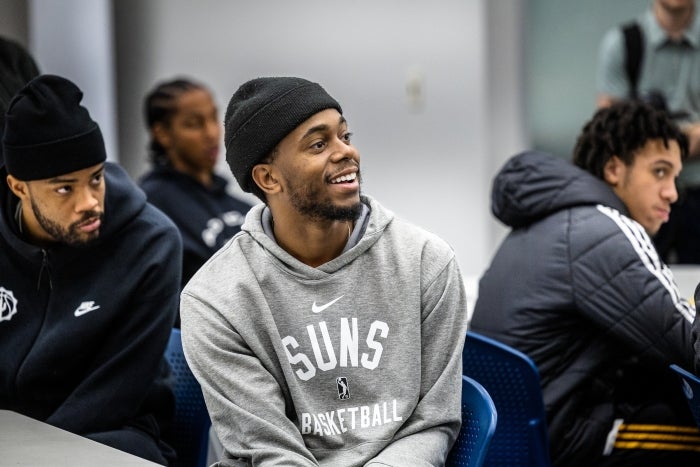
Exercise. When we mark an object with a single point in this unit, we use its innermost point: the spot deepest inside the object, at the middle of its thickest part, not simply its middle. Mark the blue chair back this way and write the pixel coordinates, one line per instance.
(189, 432)
(513, 382)
(478, 426)
(690, 384)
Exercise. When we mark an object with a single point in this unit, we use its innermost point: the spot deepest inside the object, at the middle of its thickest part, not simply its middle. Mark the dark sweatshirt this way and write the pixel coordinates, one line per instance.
(83, 330)
(206, 216)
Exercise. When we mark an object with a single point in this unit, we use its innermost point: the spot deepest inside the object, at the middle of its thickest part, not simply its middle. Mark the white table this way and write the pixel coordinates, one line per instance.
(28, 442)
(687, 278)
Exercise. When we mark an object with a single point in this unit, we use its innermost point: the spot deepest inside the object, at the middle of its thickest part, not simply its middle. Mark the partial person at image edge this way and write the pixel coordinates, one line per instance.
(89, 280)
(17, 68)
(328, 331)
(578, 286)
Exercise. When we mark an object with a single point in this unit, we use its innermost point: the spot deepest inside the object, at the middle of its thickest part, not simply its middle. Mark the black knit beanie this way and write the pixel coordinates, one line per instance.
(48, 133)
(261, 113)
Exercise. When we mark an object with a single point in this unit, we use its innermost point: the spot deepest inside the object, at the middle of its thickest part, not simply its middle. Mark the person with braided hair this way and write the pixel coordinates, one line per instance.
(578, 286)
(185, 130)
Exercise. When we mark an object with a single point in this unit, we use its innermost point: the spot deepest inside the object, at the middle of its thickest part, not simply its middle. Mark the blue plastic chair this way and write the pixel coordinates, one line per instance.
(189, 432)
(478, 426)
(690, 384)
(513, 382)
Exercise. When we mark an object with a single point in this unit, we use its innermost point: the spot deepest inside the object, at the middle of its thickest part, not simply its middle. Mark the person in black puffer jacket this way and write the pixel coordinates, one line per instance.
(578, 286)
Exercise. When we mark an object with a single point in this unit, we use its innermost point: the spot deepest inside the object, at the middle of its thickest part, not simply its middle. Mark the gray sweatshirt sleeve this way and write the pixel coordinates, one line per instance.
(243, 398)
(429, 433)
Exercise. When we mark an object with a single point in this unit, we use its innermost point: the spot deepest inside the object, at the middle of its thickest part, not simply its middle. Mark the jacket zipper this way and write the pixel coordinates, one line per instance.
(44, 266)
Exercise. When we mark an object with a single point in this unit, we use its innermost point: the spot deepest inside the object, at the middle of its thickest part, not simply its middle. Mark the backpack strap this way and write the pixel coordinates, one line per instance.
(633, 55)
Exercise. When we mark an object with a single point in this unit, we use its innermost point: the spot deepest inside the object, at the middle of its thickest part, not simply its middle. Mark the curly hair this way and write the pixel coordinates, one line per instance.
(622, 130)
(159, 107)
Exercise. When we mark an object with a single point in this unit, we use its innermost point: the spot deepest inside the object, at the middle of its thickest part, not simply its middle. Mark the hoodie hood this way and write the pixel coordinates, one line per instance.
(379, 219)
(123, 200)
(533, 185)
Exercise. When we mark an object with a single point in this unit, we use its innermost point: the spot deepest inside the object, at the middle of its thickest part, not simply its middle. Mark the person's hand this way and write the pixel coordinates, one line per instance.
(692, 131)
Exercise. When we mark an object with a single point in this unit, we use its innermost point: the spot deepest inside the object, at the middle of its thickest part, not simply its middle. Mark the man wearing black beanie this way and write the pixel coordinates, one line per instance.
(328, 331)
(89, 277)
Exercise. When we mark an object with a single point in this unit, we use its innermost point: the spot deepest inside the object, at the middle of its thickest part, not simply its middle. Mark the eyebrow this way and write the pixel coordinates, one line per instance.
(198, 113)
(60, 180)
(322, 127)
(662, 161)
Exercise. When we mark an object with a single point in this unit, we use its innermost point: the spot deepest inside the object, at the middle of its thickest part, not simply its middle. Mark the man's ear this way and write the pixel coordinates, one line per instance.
(18, 187)
(612, 171)
(264, 176)
(161, 134)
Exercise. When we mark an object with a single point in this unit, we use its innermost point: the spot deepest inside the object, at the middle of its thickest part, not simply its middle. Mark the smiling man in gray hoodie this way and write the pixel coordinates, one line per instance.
(327, 332)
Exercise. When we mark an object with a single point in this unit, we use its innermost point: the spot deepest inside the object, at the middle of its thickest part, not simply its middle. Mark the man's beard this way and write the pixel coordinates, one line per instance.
(71, 235)
(307, 201)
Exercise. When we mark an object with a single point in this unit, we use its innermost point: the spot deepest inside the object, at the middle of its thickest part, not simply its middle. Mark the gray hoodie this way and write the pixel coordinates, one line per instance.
(356, 362)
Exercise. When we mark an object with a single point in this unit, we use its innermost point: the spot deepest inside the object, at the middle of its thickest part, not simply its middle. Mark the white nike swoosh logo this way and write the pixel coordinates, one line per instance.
(318, 309)
(82, 311)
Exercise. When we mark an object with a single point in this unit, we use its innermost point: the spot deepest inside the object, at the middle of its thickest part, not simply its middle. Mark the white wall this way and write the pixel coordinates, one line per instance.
(424, 156)
(74, 39)
(429, 155)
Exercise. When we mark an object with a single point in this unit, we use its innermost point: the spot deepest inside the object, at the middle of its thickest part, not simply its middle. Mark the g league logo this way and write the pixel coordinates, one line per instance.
(343, 389)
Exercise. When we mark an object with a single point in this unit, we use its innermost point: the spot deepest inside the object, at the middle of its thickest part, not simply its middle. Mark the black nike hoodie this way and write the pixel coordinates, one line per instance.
(83, 330)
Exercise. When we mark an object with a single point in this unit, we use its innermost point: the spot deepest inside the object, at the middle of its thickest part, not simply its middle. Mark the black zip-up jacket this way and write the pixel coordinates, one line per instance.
(206, 216)
(83, 330)
(577, 285)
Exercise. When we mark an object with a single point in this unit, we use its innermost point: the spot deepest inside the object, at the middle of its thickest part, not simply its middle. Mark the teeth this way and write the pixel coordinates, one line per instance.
(345, 178)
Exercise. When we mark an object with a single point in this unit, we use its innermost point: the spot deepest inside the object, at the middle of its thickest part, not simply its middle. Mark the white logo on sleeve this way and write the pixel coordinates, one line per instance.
(8, 304)
(85, 307)
(319, 308)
